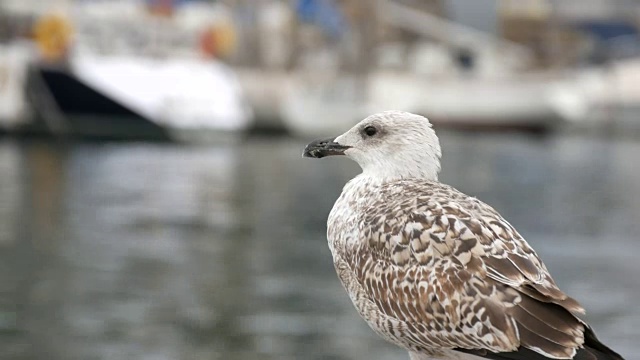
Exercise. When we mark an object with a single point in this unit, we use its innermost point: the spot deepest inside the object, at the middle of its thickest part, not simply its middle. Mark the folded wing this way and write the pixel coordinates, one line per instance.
(456, 275)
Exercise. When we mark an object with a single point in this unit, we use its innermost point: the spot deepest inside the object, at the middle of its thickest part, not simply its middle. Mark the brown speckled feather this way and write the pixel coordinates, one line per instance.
(431, 269)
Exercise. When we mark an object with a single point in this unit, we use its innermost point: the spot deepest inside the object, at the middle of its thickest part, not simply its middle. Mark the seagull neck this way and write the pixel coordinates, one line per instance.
(373, 178)
(402, 168)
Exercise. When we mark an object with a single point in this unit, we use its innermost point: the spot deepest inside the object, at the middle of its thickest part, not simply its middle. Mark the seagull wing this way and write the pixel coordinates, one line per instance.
(455, 274)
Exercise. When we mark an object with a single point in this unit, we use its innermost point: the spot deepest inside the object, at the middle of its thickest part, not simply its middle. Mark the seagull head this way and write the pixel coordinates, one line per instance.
(387, 145)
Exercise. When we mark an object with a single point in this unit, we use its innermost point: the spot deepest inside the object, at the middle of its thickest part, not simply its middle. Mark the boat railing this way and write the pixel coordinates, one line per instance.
(448, 32)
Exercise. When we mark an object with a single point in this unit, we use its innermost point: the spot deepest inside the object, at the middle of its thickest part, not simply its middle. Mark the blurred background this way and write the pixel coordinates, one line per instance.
(153, 199)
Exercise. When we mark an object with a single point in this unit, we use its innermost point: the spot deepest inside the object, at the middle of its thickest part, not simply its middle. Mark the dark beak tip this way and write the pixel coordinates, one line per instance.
(309, 152)
(320, 148)
(313, 154)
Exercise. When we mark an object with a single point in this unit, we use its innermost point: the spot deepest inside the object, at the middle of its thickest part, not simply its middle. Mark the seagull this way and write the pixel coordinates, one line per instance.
(435, 271)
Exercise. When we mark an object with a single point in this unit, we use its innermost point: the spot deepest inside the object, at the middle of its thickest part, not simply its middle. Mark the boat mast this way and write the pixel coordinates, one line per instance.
(365, 25)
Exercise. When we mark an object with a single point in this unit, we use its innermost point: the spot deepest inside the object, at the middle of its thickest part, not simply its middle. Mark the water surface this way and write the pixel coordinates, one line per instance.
(157, 251)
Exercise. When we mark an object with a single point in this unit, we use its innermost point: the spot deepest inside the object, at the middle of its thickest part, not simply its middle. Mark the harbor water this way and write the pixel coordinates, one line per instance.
(162, 251)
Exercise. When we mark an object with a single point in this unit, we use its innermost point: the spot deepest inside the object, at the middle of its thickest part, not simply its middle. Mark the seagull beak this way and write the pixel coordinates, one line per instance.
(325, 147)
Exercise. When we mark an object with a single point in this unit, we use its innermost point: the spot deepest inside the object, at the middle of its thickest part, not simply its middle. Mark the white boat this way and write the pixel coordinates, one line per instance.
(149, 67)
(497, 92)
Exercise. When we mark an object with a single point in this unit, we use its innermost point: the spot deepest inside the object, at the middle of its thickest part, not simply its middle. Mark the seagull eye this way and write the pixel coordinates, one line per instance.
(370, 130)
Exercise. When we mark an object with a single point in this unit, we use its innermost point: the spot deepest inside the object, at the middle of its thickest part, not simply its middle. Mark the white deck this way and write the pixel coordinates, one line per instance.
(184, 94)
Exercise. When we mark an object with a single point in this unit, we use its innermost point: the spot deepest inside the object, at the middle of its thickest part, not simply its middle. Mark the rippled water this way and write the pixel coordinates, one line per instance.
(156, 251)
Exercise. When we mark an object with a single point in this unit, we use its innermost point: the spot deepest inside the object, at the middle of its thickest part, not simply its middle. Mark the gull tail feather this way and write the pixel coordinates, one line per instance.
(592, 349)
